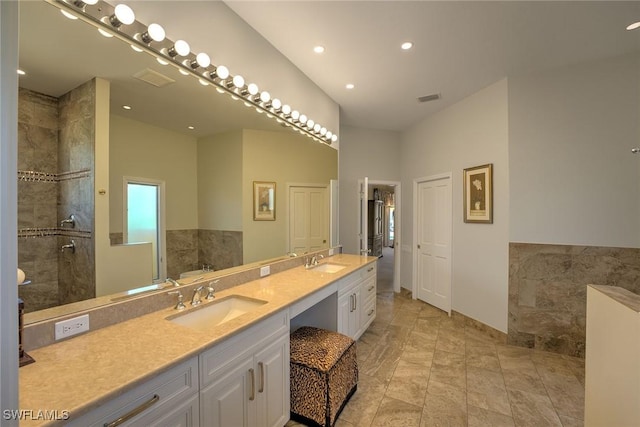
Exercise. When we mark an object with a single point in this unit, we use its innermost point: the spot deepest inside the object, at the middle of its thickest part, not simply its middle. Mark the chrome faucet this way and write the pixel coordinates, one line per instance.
(71, 246)
(211, 290)
(195, 300)
(71, 220)
(308, 263)
(173, 282)
(180, 305)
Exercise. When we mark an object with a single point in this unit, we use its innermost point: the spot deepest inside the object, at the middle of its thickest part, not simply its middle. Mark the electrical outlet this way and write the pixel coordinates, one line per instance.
(330, 251)
(265, 271)
(70, 327)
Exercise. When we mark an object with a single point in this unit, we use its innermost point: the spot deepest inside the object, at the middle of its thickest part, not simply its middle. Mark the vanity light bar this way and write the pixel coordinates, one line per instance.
(103, 16)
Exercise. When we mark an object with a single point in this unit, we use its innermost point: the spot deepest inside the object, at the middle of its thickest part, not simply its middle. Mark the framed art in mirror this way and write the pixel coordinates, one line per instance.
(264, 201)
(478, 194)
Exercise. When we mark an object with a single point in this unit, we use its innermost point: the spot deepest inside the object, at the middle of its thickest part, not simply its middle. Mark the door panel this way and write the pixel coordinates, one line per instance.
(308, 219)
(434, 242)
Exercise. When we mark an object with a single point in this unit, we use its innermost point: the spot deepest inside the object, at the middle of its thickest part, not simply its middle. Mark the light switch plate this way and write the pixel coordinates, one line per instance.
(331, 252)
(265, 271)
(70, 327)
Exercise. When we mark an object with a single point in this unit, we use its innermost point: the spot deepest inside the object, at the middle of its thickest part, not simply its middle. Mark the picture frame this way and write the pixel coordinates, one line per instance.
(264, 201)
(478, 194)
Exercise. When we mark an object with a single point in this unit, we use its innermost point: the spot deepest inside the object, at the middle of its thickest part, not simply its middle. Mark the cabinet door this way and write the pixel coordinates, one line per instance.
(226, 402)
(272, 384)
(345, 311)
(355, 326)
(183, 415)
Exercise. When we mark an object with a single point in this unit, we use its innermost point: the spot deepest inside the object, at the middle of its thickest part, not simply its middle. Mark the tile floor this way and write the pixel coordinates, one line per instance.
(419, 367)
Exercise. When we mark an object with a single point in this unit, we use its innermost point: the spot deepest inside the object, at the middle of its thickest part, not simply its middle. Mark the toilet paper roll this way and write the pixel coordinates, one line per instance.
(21, 277)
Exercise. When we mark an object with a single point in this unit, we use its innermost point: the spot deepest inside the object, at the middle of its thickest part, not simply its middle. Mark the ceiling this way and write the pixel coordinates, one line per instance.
(459, 47)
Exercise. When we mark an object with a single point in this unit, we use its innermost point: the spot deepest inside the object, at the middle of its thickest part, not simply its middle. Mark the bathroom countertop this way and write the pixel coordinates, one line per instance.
(621, 295)
(81, 373)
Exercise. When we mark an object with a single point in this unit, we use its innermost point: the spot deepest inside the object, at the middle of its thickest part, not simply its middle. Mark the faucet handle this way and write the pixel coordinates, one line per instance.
(211, 290)
(195, 300)
(180, 305)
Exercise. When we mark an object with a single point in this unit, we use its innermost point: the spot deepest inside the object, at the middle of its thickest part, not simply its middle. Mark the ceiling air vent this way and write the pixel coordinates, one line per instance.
(428, 98)
(153, 78)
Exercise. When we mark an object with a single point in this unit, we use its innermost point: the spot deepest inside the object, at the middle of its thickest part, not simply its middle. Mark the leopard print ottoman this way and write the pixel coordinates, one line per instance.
(324, 375)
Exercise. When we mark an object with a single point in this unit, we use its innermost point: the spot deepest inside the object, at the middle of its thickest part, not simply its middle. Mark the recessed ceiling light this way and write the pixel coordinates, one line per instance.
(318, 49)
(634, 26)
(406, 45)
(21, 73)
(190, 127)
(126, 107)
(350, 85)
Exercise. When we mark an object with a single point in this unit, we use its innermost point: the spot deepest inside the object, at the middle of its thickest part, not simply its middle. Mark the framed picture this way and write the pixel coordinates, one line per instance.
(478, 194)
(264, 201)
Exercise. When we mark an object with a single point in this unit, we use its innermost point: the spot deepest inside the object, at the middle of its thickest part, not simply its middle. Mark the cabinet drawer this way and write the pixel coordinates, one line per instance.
(368, 271)
(163, 393)
(215, 360)
(368, 314)
(368, 290)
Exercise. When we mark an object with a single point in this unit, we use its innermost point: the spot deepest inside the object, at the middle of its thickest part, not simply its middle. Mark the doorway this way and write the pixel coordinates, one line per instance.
(432, 228)
(380, 228)
(143, 219)
(308, 218)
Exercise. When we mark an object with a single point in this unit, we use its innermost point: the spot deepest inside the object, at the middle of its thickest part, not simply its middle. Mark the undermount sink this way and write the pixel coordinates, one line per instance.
(328, 267)
(216, 313)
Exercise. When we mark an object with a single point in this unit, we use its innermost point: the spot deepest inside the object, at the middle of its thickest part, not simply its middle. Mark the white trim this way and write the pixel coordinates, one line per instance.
(414, 273)
(162, 232)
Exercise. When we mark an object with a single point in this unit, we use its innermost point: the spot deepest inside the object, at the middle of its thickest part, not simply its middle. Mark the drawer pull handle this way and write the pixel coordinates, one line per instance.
(146, 405)
(261, 389)
(371, 288)
(253, 384)
(370, 312)
(370, 269)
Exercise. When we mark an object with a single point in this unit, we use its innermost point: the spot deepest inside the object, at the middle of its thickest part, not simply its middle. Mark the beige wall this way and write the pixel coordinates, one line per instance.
(284, 158)
(144, 151)
(220, 182)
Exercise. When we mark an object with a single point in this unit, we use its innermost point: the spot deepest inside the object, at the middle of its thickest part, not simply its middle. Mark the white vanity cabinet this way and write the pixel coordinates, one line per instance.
(245, 380)
(170, 398)
(357, 301)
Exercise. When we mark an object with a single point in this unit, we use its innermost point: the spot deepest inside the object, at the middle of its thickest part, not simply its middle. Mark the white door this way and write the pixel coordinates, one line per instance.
(433, 246)
(363, 188)
(308, 219)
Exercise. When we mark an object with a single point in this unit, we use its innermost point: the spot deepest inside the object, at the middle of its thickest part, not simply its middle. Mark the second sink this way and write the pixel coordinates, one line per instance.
(327, 267)
(217, 312)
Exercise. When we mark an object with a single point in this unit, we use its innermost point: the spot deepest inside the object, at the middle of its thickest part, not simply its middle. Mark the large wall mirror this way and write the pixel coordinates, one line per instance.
(157, 170)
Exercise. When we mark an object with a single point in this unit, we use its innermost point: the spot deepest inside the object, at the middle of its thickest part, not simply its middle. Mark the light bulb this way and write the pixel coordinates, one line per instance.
(122, 14)
(253, 89)
(238, 81)
(182, 48)
(295, 115)
(316, 127)
(334, 138)
(154, 32)
(303, 119)
(310, 124)
(276, 104)
(323, 131)
(329, 134)
(265, 96)
(203, 60)
(286, 109)
(91, 2)
(221, 72)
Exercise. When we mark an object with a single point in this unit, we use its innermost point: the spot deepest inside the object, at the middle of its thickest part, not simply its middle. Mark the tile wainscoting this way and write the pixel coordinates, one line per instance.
(548, 291)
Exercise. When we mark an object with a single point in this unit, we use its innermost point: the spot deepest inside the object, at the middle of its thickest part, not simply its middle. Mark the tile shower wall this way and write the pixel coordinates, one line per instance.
(76, 274)
(189, 249)
(548, 288)
(56, 136)
(38, 151)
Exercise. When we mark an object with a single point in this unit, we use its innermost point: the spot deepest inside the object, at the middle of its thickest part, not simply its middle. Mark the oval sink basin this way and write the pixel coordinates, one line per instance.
(328, 267)
(216, 313)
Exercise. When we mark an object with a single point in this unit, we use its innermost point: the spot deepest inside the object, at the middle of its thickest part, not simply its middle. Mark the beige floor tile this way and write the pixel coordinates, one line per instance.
(451, 341)
(486, 390)
(394, 413)
(483, 360)
(530, 409)
(409, 383)
(449, 368)
(571, 422)
(481, 417)
(523, 379)
(363, 405)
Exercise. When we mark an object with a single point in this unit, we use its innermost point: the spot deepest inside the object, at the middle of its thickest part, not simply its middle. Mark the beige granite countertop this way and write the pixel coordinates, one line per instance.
(83, 372)
(621, 295)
